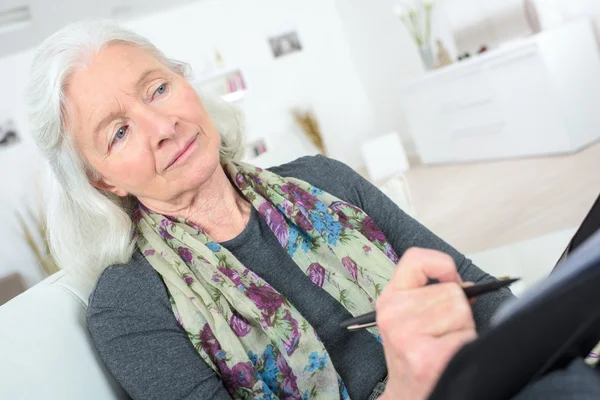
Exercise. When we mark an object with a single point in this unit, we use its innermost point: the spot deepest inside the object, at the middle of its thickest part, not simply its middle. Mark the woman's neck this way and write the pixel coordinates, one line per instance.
(217, 207)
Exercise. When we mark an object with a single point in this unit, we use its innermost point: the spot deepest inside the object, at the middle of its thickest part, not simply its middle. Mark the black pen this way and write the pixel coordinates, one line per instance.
(368, 320)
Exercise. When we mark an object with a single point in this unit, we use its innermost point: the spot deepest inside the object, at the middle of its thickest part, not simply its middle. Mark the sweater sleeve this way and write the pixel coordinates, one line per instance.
(141, 343)
(403, 232)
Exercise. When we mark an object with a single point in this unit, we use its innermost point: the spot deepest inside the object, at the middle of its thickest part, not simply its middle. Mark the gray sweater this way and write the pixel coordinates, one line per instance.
(150, 355)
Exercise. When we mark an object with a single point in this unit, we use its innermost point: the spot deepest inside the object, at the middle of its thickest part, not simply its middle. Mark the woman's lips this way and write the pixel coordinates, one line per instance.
(183, 153)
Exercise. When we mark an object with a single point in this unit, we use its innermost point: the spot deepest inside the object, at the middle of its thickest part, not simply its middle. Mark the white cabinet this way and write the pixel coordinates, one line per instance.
(539, 96)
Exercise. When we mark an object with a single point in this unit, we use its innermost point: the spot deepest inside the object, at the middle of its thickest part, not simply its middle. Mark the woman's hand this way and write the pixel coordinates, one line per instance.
(422, 327)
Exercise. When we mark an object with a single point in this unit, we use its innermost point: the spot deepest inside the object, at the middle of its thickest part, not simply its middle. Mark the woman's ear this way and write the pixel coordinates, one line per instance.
(100, 184)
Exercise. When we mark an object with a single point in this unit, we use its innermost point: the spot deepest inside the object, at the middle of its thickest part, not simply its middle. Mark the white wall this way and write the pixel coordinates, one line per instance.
(322, 76)
(19, 171)
(555, 12)
(385, 57)
(491, 22)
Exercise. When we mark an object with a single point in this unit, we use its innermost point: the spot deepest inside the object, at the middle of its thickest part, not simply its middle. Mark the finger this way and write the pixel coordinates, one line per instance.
(453, 314)
(448, 346)
(424, 299)
(451, 343)
(472, 300)
(431, 310)
(418, 266)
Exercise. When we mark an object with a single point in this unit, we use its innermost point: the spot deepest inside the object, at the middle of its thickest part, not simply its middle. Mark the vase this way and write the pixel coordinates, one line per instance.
(427, 56)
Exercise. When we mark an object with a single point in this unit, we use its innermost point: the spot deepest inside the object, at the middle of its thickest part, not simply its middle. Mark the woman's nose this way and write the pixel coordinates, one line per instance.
(161, 127)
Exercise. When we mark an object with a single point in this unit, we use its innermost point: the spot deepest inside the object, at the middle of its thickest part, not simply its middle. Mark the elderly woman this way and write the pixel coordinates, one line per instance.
(215, 279)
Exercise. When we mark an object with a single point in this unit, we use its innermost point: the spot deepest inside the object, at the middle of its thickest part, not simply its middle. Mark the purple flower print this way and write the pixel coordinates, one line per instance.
(291, 343)
(302, 222)
(265, 298)
(371, 231)
(256, 179)
(241, 181)
(171, 218)
(185, 254)
(367, 249)
(275, 221)
(188, 279)
(195, 227)
(302, 197)
(343, 218)
(209, 343)
(164, 234)
(239, 325)
(316, 273)
(289, 384)
(149, 252)
(163, 229)
(286, 206)
(338, 205)
(136, 216)
(144, 208)
(391, 254)
(178, 319)
(231, 274)
(242, 375)
(350, 266)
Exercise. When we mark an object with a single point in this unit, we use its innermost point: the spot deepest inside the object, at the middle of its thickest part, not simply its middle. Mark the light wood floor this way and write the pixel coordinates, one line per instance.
(484, 205)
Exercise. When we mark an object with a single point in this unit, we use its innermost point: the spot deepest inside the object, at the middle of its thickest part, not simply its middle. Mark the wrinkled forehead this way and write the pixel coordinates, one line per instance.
(108, 78)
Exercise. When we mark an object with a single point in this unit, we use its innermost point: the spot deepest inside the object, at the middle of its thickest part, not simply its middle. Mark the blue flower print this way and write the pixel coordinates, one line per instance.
(316, 191)
(270, 371)
(213, 246)
(315, 363)
(326, 226)
(292, 245)
(253, 358)
(343, 391)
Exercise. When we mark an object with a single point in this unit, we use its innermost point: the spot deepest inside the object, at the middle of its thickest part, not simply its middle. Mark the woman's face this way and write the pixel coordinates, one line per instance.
(141, 126)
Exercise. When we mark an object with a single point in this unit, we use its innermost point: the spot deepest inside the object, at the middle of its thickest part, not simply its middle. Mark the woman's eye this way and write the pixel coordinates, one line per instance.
(160, 90)
(120, 134)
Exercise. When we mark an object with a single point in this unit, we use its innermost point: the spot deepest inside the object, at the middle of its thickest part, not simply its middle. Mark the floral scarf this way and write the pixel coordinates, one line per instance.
(251, 335)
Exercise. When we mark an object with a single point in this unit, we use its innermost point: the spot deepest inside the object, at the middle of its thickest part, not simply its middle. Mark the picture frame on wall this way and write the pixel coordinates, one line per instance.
(8, 131)
(256, 147)
(284, 44)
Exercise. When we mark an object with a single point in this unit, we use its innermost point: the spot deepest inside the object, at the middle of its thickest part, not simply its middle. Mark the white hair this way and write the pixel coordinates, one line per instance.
(88, 229)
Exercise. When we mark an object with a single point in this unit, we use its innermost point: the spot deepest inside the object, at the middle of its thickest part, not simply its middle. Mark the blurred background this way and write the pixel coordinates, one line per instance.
(479, 118)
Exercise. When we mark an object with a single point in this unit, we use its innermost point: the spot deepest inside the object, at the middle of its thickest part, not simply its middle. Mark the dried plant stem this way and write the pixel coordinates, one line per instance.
(309, 125)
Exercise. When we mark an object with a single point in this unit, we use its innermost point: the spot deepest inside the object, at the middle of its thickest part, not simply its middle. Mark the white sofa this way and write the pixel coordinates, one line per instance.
(45, 349)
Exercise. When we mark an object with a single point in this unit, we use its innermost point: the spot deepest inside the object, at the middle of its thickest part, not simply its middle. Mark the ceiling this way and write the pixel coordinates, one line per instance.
(47, 16)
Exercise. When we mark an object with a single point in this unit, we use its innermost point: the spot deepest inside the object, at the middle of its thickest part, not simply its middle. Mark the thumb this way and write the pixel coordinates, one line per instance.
(418, 266)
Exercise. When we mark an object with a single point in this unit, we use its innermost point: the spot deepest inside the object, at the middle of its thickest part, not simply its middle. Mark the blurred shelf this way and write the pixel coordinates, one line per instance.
(227, 83)
(218, 74)
(234, 96)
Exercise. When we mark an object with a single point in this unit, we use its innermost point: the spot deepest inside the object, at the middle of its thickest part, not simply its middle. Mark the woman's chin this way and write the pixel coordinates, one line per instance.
(199, 170)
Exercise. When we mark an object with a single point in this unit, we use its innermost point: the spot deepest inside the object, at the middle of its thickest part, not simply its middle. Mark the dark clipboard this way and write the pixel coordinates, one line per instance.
(589, 226)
